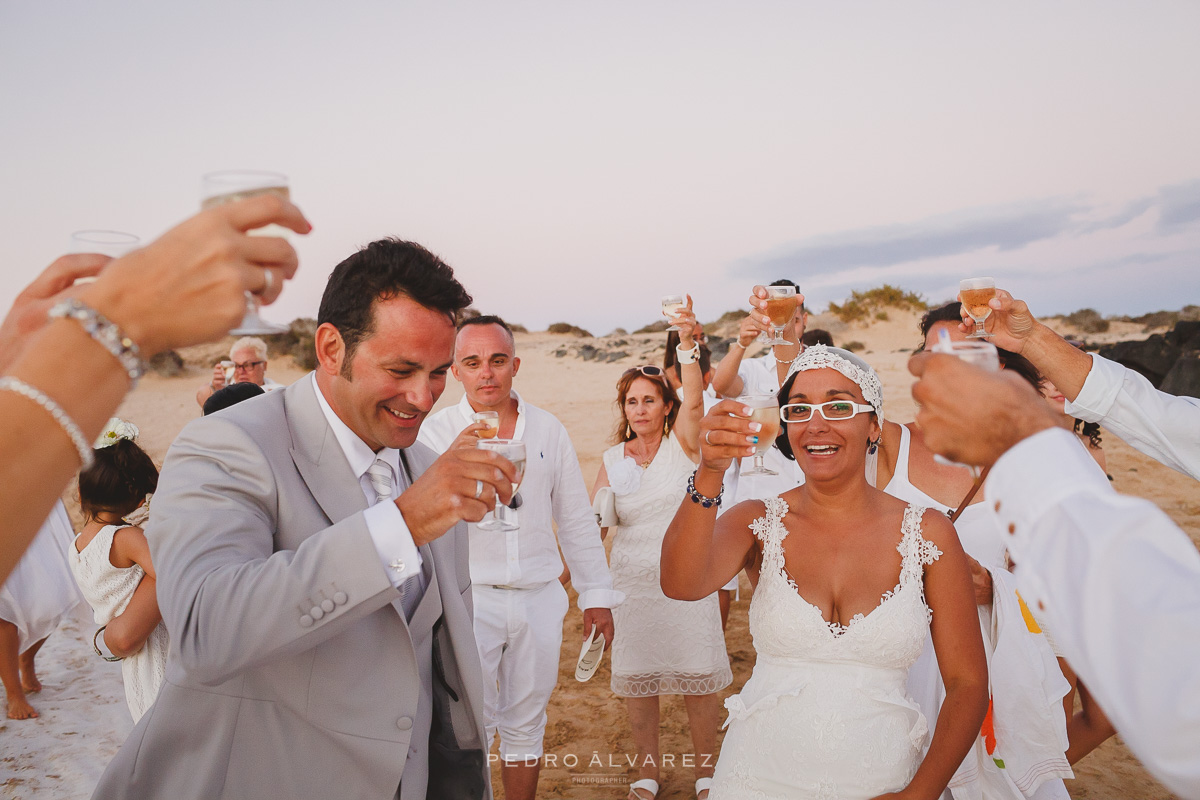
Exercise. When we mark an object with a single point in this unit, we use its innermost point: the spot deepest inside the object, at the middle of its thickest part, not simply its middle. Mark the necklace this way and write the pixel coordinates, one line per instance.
(648, 456)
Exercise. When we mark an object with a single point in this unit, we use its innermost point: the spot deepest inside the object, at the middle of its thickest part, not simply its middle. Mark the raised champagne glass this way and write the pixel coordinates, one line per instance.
(229, 186)
(113, 244)
(672, 304)
(983, 355)
(489, 418)
(764, 409)
(781, 307)
(514, 451)
(975, 293)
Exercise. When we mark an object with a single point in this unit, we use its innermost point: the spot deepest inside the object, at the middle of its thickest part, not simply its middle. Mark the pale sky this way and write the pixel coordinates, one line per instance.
(577, 161)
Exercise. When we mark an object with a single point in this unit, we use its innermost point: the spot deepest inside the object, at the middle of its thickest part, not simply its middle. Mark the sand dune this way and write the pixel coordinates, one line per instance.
(83, 713)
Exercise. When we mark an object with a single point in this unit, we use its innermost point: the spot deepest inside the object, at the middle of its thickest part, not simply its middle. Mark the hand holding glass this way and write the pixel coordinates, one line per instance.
(233, 185)
(764, 409)
(672, 304)
(975, 294)
(983, 355)
(781, 307)
(489, 418)
(514, 451)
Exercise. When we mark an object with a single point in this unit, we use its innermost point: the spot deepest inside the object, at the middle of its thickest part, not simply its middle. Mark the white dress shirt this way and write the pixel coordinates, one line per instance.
(385, 523)
(1161, 425)
(1120, 585)
(552, 493)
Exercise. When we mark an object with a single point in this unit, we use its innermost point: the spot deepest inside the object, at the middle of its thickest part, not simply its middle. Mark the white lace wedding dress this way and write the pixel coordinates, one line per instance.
(826, 715)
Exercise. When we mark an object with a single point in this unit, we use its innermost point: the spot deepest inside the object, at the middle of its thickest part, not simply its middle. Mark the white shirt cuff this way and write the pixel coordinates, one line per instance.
(393, 543)
(600, 598)
(1099, 391)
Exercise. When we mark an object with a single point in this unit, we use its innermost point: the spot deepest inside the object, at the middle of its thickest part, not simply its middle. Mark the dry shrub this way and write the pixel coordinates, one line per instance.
(873, 303)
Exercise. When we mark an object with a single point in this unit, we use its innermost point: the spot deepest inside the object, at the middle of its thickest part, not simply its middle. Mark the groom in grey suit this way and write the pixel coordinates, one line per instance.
(312, 570)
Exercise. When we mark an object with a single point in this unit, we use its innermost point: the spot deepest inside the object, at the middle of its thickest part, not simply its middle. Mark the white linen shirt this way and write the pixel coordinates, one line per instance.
(1161, 425)
(1119, 584)
(552, 492)
(389, 532)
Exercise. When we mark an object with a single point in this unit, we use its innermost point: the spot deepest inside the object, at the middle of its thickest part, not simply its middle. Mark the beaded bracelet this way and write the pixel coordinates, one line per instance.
(707, 502)
(82, 445)
(106, 334)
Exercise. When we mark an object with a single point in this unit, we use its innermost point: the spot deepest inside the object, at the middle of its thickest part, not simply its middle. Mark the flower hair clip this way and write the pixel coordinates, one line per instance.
(116, 430)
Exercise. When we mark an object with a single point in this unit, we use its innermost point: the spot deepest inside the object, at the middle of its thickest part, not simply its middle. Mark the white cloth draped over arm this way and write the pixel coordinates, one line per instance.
(1161, 425)
(1119, 583)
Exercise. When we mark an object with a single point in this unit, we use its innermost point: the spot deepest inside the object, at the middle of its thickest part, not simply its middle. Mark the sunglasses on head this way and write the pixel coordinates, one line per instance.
(649, 370)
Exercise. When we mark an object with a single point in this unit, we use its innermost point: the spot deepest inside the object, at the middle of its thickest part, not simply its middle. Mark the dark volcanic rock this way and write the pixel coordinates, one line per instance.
(1184, 377)
(1185, 335)
(1153, 357)
(617, 356)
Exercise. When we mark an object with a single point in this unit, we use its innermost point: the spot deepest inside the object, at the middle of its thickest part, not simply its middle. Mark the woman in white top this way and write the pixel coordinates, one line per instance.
(111, 561)
(1021, 751)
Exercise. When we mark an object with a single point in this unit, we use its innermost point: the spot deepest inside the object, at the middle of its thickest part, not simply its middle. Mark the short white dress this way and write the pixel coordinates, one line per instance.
(663, 646)
(40, 592)
(108, 589)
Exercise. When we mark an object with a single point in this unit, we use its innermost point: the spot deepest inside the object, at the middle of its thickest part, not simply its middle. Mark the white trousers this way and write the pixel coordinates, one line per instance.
(519, 635)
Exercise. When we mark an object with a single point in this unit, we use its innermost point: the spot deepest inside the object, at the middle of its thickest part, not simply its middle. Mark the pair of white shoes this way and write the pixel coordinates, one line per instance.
(651, 786)
(589, 656)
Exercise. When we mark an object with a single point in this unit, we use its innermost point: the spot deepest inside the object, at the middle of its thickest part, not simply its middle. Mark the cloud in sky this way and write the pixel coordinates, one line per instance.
(998, 229)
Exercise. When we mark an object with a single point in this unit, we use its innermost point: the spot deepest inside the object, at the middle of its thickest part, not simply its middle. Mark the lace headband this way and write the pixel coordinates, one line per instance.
(116, 430)
(819, 356)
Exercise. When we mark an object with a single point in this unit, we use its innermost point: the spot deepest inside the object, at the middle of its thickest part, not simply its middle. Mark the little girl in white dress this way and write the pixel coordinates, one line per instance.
(111, 559)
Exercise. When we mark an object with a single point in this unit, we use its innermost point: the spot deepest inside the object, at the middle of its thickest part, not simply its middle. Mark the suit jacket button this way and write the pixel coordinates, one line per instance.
(404, 723)
(306, 621)
(327, 605)
(340, 598)
(316, 612)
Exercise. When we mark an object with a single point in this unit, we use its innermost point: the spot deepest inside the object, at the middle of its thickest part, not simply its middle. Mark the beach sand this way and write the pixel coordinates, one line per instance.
(84, 717)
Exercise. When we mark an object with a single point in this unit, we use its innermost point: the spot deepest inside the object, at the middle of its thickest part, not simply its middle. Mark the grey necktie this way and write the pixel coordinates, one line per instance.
(382, 481)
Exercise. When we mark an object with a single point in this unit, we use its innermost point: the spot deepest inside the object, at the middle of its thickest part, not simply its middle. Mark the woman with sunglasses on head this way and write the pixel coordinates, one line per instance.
(849, 583)
(663, 646)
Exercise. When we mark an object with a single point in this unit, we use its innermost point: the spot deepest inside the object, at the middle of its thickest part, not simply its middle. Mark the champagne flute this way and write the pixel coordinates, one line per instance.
(765, 411)
(781, 307)
(514, 451)
(975, 293)
(672, 304)
(489, 418)
(229, 186)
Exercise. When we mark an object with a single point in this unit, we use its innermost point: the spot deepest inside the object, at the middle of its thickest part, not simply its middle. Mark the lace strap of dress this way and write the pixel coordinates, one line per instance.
(915, 550)
(769, 528)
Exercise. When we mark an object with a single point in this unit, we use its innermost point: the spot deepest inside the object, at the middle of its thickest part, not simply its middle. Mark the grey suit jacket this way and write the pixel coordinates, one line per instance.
(290, 672)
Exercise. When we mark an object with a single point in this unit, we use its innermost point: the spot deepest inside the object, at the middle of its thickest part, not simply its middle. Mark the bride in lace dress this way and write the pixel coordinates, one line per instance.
(849, 581)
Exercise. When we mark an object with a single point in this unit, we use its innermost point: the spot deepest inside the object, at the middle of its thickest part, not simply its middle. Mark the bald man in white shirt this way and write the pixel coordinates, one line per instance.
(1116, 578)
(519, 602)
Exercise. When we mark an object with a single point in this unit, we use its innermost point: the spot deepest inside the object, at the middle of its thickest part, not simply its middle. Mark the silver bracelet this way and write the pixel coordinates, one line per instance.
(106, 334)
(738, 342)
(82, 445)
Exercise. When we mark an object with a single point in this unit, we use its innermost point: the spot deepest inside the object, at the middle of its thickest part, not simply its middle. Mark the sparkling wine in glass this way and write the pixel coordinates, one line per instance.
(765, 411)
(781, 307)
(672, 304)
(229, 186)
(514, 451)
(975, 293)
(492, 420)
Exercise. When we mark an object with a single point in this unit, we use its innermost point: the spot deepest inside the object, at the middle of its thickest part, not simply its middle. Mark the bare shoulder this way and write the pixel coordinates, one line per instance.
(742, 514)
(937, 528)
